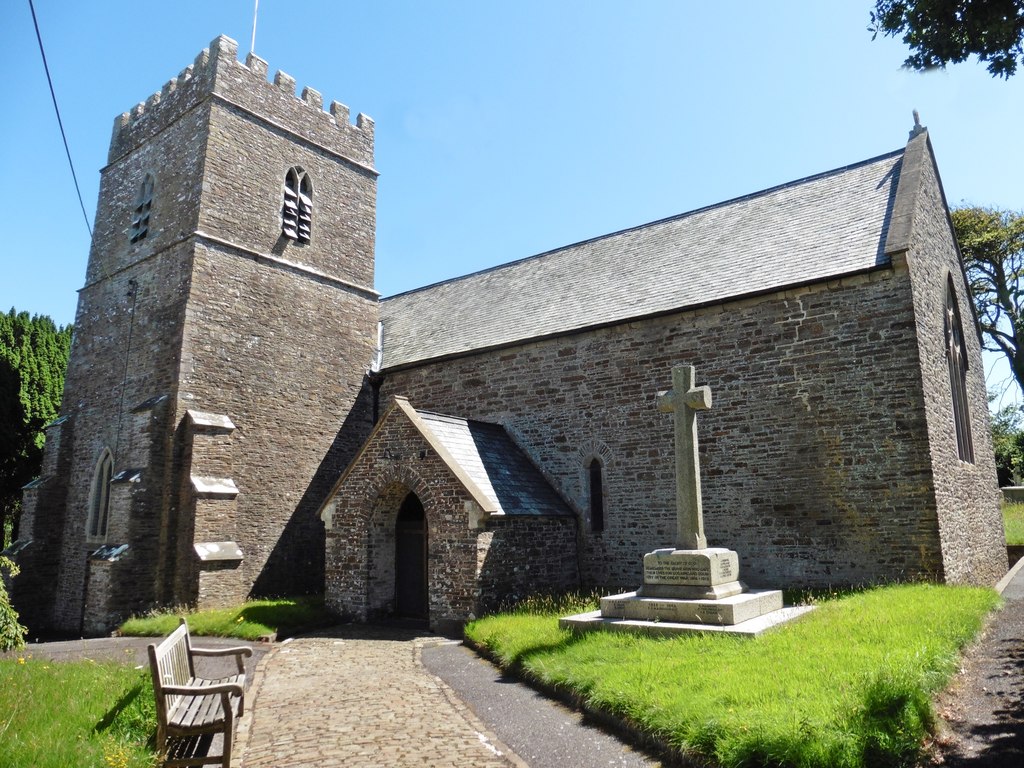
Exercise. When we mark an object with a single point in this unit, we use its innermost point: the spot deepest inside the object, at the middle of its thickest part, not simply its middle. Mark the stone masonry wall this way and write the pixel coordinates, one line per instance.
(42, 520)
(520, 556)
(125, 351)
(967, 494)
(244, 174)
(279, 334)
(814, 456)
(284, 357)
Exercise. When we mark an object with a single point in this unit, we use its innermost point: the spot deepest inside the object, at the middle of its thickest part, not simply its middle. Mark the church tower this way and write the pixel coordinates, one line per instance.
(221, 343)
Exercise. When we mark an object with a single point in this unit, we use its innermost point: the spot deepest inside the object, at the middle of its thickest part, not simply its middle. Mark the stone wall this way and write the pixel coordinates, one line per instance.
(966, 493)
(34, 592)
(125, 352)
(284, 357)
(814, 456)
(521, 556)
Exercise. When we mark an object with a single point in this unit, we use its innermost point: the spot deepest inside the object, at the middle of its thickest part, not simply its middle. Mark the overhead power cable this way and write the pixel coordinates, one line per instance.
(59, 121)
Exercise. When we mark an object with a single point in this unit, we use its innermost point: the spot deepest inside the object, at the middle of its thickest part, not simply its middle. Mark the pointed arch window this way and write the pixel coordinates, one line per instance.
(297, 211)
(956, 359)
(99, 497)
(143, 206)
(595, 484)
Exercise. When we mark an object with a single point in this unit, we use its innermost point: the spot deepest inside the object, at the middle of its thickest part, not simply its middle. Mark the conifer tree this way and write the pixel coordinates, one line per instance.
(33, 359)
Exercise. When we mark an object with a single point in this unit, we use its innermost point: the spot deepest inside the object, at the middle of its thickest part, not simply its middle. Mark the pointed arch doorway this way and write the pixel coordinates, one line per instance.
(411, 560)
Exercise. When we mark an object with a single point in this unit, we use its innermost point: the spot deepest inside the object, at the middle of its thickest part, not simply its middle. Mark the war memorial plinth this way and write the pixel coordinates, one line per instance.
(691, 587)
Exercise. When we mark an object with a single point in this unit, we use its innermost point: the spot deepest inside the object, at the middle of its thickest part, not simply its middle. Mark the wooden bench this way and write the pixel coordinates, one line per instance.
(192, 706)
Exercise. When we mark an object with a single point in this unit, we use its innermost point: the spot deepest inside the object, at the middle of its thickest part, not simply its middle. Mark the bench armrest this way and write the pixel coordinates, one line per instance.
(238, 651)
(201, 690)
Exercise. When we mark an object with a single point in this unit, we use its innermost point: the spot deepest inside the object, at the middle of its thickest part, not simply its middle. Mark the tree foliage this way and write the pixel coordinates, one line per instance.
(992, 244)
(33, 358)
(1008, 442)
(12, 633)
(939, 32)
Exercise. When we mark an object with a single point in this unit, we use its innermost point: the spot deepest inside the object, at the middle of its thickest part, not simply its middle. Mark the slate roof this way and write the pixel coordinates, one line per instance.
(495, 463)
(809, 230)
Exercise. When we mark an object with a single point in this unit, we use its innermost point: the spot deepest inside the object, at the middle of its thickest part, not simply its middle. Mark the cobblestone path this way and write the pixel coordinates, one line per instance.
(359, 696)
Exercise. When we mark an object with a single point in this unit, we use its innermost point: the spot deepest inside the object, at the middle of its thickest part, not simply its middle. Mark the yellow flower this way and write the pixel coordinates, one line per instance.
(21, 659)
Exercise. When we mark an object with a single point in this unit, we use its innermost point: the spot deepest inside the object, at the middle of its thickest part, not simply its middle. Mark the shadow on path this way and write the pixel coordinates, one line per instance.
(983, 710)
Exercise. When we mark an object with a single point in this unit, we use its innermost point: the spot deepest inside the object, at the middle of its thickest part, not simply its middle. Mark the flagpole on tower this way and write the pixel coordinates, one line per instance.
(255, 12)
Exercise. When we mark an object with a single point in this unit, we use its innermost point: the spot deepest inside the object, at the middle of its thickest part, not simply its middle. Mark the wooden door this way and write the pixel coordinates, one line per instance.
(411, 560)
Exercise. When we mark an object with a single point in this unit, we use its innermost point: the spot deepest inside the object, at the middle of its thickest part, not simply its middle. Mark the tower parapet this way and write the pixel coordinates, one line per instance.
(217, 73)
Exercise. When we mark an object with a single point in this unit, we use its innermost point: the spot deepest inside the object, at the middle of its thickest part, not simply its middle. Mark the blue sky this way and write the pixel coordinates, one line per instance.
(502, 129)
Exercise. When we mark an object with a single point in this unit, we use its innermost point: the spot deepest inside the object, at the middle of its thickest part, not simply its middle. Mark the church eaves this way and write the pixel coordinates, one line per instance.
(818, 228)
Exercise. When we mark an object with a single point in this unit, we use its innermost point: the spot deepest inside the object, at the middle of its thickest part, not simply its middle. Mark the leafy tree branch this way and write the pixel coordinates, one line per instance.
(992, 244)
(940, 32)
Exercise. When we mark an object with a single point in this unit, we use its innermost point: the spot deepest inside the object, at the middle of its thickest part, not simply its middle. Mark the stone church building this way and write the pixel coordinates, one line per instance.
(243, 414)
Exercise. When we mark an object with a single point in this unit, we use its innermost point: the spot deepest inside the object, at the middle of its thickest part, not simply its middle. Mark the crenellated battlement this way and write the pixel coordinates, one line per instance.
(217, 72)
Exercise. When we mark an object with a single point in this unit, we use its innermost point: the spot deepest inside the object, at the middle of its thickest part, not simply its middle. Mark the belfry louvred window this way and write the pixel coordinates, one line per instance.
(297, 213)
(140, 215)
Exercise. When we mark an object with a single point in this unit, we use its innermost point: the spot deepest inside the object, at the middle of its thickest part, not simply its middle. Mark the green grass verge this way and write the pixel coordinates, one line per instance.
(251, 621)
(1013, 522)
(53, 715)
(848, 685)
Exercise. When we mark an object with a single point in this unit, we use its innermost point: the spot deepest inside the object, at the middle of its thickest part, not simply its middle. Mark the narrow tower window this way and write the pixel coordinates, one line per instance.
(140, 215)
(297, 212)
(956, 359)
(99, 498)
(596, 484)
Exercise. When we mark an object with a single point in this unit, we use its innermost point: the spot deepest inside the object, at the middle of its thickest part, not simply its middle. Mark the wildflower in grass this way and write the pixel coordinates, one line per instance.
(116, 755)
(21, 659)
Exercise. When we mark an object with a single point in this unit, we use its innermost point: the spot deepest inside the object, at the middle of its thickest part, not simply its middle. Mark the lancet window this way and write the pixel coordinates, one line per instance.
(956, 359)
(595, 476)
(297, 212)
(99, 497)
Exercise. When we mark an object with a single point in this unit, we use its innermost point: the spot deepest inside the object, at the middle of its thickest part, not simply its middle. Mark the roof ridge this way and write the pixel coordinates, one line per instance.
(674, 217)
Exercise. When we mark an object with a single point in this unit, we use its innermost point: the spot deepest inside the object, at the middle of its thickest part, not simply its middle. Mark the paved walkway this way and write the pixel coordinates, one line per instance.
(358, 696)
(367, 696)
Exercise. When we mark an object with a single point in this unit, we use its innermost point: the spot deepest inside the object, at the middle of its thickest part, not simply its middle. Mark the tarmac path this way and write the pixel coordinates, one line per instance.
(982, 711)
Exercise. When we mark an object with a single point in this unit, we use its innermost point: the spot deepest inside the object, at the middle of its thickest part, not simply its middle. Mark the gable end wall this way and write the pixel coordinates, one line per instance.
(967, 495)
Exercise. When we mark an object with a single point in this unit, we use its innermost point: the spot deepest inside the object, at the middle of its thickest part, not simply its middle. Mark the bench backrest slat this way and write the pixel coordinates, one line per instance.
(170, 664)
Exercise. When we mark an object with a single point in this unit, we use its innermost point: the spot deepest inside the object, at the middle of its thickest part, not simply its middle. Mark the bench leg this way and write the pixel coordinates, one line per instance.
(227, 749)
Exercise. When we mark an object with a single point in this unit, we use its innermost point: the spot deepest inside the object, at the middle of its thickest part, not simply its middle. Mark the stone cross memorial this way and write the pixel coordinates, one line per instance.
(685, 399)
(691, 570)
(691, 587)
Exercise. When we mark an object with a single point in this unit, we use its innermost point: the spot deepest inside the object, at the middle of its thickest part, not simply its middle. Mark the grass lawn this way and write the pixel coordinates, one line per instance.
(1013, 521)
(54, 715)
(250, 621)
(847, 685)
